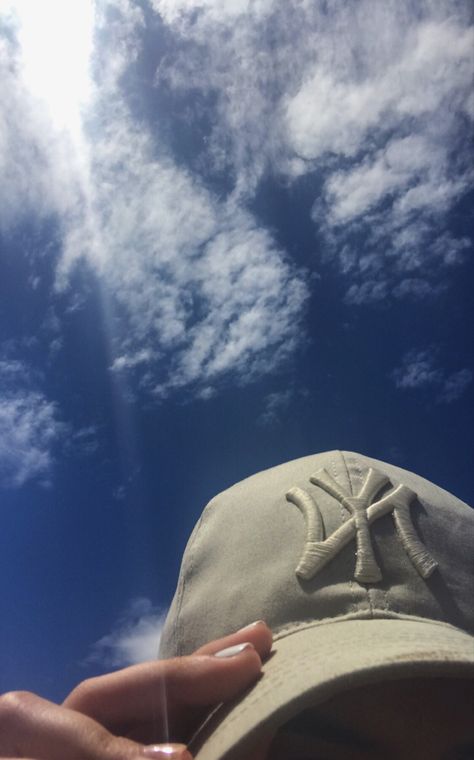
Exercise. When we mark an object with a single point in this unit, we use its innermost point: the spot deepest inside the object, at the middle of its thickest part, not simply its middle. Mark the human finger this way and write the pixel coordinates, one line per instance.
(34, 727)
(258, 633)
(167, 698)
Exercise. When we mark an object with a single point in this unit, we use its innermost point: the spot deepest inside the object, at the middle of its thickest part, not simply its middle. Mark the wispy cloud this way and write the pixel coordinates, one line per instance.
(420, 370)
(417, 370)
(275, 404)
(374, 99)
(454, 385)
(135, 637)
(38, 159)
(30, 427)
(195, 290)
(85, 440)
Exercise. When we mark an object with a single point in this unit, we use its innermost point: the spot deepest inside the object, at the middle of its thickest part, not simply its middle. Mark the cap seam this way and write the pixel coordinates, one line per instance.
(377, 614)
(351, 486)
(335, 472)
(183, 580)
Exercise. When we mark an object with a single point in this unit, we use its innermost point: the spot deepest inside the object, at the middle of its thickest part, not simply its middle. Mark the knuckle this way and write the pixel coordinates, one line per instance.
(82, 695)
(108, 746)
(14, 704)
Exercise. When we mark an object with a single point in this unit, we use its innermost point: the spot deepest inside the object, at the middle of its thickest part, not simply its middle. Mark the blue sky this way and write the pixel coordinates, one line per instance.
(231, 234)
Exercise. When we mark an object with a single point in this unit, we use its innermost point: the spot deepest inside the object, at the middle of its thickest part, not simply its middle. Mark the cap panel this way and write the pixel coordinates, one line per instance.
(363, 574)
(170, 643)
(445, 526)
(240, 564)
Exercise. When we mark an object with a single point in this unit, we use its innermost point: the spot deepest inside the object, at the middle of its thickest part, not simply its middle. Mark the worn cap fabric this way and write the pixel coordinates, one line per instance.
(363, 570)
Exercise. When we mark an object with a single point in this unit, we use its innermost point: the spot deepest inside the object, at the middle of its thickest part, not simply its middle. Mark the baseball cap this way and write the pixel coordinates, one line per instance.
(363, 570)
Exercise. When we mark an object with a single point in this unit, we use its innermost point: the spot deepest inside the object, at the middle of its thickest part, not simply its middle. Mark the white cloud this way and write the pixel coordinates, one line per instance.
(371, 97)
(38, 159)
(194, 289)
(197, 282)
(426, 61)
(30, 426)
(351, 193)
(131, 360)
(176, 10)
(455, 385)
(451, 250)
(85, 440)
(201, 289)
(369, 291)
(135, 637)
(374, 98)
(414, 287)
(275, 404)
(13, 371)
(419, 369)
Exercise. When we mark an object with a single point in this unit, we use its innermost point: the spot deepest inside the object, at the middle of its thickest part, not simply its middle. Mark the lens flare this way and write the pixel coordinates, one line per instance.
(56, 41)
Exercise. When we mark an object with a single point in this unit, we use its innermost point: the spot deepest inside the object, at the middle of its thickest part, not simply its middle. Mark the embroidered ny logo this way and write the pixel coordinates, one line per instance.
(318, 551)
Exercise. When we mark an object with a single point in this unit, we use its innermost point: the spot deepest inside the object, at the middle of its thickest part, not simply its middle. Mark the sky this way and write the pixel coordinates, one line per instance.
(232, 233)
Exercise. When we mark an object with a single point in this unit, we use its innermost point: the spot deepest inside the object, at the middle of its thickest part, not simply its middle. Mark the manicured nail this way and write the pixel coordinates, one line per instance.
(251, 625)
(166, 752)
(233, 651)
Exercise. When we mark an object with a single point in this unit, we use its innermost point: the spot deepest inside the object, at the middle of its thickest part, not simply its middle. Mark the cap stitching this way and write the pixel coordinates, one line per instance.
(377, 614)
(370, 591)
(334, 464)
(364, 511)
(358, 470)
(241, 711)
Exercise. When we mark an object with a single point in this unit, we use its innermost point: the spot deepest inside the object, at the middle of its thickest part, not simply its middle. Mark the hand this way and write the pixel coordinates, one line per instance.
(164, 699)
(147, 702)
(33, 728)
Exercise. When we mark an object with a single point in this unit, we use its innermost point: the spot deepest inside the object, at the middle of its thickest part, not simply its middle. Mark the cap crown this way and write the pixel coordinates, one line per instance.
(334, 535)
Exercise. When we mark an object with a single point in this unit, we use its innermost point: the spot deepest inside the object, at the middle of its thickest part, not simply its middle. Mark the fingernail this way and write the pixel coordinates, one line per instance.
(168, 751)
(251, 625)
(233, 651)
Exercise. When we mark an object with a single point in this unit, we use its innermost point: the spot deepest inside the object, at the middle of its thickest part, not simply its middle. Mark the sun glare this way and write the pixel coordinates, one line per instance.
(56, 38)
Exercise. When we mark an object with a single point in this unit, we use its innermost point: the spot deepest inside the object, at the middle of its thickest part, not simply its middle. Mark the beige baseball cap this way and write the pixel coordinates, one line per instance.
(363, 570)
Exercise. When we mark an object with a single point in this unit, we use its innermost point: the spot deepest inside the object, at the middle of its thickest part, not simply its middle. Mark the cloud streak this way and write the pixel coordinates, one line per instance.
(195, 291)
(372, 99)
(135, 637)
(419, 370)
(30, 427)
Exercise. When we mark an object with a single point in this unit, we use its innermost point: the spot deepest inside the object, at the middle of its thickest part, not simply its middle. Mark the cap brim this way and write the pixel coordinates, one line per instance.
(312, 663)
